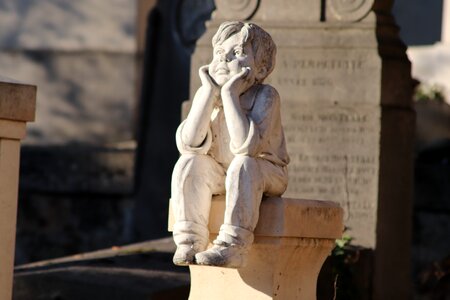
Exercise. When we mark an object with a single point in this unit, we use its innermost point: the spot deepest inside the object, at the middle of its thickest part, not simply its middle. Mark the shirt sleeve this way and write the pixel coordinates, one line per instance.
(186, 149)
(260, 122)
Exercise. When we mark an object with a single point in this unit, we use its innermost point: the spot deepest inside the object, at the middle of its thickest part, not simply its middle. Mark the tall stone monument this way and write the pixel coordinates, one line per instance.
(345, 87)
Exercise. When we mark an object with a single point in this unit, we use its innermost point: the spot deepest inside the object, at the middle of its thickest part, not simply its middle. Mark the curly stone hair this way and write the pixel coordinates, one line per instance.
(262, 43)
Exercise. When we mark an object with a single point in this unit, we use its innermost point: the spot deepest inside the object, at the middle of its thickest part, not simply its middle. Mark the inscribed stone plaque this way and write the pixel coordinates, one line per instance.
(331, 116)
(332, 76)
(334, 155)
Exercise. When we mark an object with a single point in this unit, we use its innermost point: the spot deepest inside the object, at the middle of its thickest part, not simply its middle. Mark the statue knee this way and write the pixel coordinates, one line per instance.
(192, 165)
(244, 165)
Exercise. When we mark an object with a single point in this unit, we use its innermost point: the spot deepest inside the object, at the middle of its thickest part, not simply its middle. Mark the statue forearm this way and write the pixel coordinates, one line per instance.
(198, 120)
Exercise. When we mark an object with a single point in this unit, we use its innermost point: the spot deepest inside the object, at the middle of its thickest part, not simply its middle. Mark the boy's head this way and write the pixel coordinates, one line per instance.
(247, 44)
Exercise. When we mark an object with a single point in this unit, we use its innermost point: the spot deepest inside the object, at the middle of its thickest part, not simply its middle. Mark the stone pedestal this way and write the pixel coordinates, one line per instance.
(292, 240)
(17, 106)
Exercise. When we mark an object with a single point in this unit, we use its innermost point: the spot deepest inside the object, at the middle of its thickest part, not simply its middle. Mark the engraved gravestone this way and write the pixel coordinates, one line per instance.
(345, 87)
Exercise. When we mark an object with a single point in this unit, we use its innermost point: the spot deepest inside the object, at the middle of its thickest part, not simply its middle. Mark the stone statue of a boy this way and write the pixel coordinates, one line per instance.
(232, 143)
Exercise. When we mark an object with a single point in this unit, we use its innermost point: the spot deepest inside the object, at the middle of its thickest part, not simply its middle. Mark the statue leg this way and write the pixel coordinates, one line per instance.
(247, 180)
(194, 180)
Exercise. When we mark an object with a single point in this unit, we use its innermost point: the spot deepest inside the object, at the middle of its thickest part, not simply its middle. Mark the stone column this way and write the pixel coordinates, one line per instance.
(345, 85)
(446, 22)
(17, 106)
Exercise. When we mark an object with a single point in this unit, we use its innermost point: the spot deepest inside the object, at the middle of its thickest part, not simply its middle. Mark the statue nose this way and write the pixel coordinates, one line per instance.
(225, 58)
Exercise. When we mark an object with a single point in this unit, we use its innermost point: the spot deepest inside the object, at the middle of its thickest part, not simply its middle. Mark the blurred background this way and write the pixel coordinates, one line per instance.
(111, 77)
(78, 157)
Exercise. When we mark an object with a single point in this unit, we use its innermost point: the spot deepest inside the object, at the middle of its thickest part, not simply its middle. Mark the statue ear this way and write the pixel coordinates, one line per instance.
(262, 72)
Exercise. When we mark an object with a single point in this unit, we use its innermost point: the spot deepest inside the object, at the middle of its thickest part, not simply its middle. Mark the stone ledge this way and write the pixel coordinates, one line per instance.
(12, 129)
(17, 100)
(284, 217)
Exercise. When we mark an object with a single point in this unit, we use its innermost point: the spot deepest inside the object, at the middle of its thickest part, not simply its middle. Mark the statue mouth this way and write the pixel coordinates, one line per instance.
(222, 71)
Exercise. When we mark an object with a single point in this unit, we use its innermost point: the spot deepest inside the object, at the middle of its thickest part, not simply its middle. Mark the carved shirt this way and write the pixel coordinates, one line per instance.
(265, 139)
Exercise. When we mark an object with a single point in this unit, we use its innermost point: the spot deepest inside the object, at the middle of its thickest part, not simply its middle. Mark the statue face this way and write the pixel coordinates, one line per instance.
(229, 58)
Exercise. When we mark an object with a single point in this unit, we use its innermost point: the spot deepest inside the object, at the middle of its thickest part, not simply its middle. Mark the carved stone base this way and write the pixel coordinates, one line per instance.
(292, 240)
(278, 268)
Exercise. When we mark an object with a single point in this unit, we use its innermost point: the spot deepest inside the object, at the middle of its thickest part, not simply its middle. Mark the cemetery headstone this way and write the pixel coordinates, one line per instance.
(345, 85)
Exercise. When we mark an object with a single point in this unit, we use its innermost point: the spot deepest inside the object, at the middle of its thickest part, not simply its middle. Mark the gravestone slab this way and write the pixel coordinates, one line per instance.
(73, 26)
(82, 59)
(345, 86)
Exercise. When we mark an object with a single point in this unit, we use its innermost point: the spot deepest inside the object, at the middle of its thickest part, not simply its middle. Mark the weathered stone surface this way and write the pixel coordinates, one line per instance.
(82, 59)
(83, 97)
(316, 61)
(17, 100)
(79, 25)
(9, 180)
(258, 11)
(277, 269)
(17, 105)
(279, 217)
(292, 240)
(335, 155)
(330, 82)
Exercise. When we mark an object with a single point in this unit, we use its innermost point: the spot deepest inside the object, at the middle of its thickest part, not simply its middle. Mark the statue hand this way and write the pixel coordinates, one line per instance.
(239, 83)
(207, 82)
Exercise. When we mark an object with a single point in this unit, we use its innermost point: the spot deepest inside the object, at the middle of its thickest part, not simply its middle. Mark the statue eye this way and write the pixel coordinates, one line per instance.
(238, 52)
(219, 51)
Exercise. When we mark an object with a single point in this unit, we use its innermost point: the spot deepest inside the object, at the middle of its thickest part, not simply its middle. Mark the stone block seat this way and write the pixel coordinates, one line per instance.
(292, 240)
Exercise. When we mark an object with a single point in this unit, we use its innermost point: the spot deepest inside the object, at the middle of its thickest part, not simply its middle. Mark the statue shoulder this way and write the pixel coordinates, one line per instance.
(267, 93)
